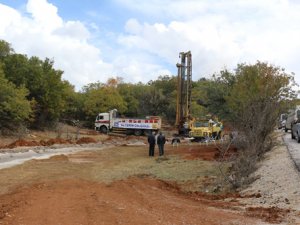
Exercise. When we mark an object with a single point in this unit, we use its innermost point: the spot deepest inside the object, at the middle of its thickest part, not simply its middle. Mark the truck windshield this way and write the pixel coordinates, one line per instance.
(298, 114)
(201, 124)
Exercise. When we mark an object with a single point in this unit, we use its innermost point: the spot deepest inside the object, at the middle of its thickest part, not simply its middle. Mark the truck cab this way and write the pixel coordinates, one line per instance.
(203, 129)
(102, 122)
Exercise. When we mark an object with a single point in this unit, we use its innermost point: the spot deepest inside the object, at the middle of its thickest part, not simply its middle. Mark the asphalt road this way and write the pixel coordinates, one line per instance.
(293, 147)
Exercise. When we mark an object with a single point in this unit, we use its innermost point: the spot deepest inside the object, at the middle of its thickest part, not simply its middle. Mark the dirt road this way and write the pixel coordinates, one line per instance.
(122, 185)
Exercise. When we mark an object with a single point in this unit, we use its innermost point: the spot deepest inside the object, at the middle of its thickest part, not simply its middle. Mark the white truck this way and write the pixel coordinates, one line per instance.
(109, 122)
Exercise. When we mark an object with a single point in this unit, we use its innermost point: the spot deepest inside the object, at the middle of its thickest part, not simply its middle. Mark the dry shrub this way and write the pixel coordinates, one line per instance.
(244, 162)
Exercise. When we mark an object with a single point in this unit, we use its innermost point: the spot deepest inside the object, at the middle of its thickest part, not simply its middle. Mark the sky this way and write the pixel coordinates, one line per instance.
(140, 40)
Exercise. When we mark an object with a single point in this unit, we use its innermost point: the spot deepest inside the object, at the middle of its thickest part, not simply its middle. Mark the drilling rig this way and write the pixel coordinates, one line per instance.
(184, 91)
(187, 125)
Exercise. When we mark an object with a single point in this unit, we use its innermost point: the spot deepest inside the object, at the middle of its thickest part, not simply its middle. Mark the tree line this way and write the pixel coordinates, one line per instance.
(33, 93)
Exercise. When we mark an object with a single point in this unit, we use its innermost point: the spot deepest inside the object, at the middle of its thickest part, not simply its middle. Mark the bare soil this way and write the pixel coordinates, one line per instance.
(122, 185)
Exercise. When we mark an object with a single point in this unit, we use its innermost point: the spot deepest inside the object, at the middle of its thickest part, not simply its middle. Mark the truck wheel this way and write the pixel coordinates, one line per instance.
(298, 138)
(285, 129)
(147, 132)
(138, 132)
(214, 135)
(218, 136)
(292, 136)
(103, 129)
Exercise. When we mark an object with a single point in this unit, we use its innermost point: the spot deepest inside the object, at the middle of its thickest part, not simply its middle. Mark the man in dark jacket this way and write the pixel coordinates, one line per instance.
(151, 141)
(161, 140)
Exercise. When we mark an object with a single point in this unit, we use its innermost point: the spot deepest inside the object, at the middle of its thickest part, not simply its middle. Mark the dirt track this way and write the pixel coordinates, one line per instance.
(121, 185)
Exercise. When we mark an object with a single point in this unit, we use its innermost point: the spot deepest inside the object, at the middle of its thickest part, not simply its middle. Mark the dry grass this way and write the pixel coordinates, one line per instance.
(107, 165)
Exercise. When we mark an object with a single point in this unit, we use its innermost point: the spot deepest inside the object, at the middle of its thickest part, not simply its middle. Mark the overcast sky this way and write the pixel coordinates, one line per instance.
(140, 40)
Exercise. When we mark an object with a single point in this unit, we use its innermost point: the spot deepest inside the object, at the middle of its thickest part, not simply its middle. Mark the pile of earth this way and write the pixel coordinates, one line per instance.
(205, 152)
(52, 141)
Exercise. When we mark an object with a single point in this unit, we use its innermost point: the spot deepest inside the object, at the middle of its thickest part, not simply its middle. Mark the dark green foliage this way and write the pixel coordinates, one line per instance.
(5, 49)
(160, 98)
(47, 91)
(15, 109)
(130, 94)
(152, 101)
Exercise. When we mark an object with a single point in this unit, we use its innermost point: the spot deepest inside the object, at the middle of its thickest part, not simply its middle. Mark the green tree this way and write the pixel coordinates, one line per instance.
(168, 84)
(15, 109)
(74, 104)
(152, 101)
(44, 83)
(16, 69)
(164, 97)
(130, 96)
(211, 93)
(5, 49)
(200, 98)
(258, 95)
(254, 103)
(102, 99)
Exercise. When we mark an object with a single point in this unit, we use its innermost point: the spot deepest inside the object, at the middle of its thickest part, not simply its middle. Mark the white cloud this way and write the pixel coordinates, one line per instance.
(44, 34)
(133, 26)
(73, 29)
(44, 15)
(136, 67)
(220, 33)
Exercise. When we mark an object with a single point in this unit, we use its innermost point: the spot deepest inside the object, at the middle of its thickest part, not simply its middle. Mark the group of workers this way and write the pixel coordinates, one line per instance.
(160, 140)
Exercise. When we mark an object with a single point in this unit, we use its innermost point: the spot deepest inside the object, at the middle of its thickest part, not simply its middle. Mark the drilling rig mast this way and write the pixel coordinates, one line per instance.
(184, 90)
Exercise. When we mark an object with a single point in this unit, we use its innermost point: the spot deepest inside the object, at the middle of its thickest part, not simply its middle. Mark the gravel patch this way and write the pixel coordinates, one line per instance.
(278, 183)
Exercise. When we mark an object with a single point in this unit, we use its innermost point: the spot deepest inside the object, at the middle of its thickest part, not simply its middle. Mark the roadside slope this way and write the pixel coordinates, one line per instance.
(278, 182)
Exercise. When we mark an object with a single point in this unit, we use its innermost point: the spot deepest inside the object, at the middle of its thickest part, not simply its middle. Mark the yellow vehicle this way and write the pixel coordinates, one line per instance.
(205, 130)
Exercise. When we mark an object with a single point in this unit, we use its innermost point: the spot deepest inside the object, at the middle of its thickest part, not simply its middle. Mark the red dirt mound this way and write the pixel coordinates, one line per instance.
(22, 142)
(55, 141)
(205, 152)
(92, 132)
(270, 215)
(85, 140)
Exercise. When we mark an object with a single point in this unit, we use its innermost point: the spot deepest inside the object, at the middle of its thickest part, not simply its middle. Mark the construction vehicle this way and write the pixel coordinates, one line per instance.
(184, 91)
(203, 130)
(110, 122)
(186, 124)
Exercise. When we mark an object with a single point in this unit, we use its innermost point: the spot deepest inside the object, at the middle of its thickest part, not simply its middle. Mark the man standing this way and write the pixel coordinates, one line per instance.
(151, 141)
(161, 140)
